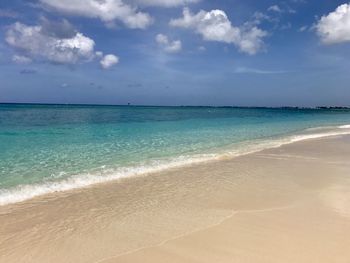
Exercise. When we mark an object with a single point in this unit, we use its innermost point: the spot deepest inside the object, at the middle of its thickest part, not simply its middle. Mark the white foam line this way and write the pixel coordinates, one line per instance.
(25, 192)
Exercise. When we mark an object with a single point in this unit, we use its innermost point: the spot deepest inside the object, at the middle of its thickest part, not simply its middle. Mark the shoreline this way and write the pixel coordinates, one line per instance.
(27, 192)
(173, 215)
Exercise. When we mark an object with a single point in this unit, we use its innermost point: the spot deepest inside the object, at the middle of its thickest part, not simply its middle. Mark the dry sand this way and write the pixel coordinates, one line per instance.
(289, 204)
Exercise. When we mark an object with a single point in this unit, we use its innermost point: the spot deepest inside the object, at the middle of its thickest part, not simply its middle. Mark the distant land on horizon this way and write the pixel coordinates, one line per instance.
(176, 106)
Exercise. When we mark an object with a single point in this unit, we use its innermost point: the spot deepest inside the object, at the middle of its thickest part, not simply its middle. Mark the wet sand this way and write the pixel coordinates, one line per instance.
(288, 204)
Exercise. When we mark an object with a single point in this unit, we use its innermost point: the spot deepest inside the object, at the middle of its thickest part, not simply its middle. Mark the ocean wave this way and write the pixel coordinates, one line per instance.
(25, 192)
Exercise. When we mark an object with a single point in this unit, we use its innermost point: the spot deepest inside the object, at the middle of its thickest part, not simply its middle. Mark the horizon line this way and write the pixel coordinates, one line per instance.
(174, 106)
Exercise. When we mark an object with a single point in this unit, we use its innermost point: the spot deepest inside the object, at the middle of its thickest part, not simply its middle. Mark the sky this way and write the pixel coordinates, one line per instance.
(176, 52)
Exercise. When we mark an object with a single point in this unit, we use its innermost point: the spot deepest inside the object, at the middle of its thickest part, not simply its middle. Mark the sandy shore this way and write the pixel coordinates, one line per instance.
(289, 204)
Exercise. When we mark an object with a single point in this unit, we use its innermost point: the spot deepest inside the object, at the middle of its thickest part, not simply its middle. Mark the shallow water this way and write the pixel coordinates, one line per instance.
(46, 148)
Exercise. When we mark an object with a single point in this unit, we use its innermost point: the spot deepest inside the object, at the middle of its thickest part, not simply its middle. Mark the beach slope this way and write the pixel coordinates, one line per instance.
(287, 204)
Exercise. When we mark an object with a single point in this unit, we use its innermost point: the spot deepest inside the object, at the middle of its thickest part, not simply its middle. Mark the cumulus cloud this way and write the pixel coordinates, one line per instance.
(278, 9)
(57, 29)
(165, 3)
(259, 18)
(335, 27)
(108, 61)
(275, 8)
(106, 10)
(244, 70)
(303, 28)
(215, 26)
(21, 59)
(99, 54)
(8, 13)
(168, 46)
(34, 42)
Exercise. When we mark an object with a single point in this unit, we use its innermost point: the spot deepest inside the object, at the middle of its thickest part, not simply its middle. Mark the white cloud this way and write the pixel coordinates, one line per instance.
(36, 44)
(108, 61)
(303, 28)
(8, 13)
(215, 26)
(106, 10)
(278, 9)
(21, 59)
(335, 27)
(286, 26)
(168, 46)
(165, 3)
(259, 17)
(99, 54)
(275, 8)
(244, 70)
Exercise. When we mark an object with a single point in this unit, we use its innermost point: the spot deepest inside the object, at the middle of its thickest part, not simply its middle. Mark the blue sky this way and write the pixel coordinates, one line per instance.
(176, 52)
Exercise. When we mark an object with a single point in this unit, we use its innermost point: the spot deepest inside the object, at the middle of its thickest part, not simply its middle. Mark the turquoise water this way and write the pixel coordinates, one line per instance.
(48, 148)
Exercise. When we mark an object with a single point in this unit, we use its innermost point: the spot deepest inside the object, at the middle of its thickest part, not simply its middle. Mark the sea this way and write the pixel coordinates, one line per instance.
(52, 148)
